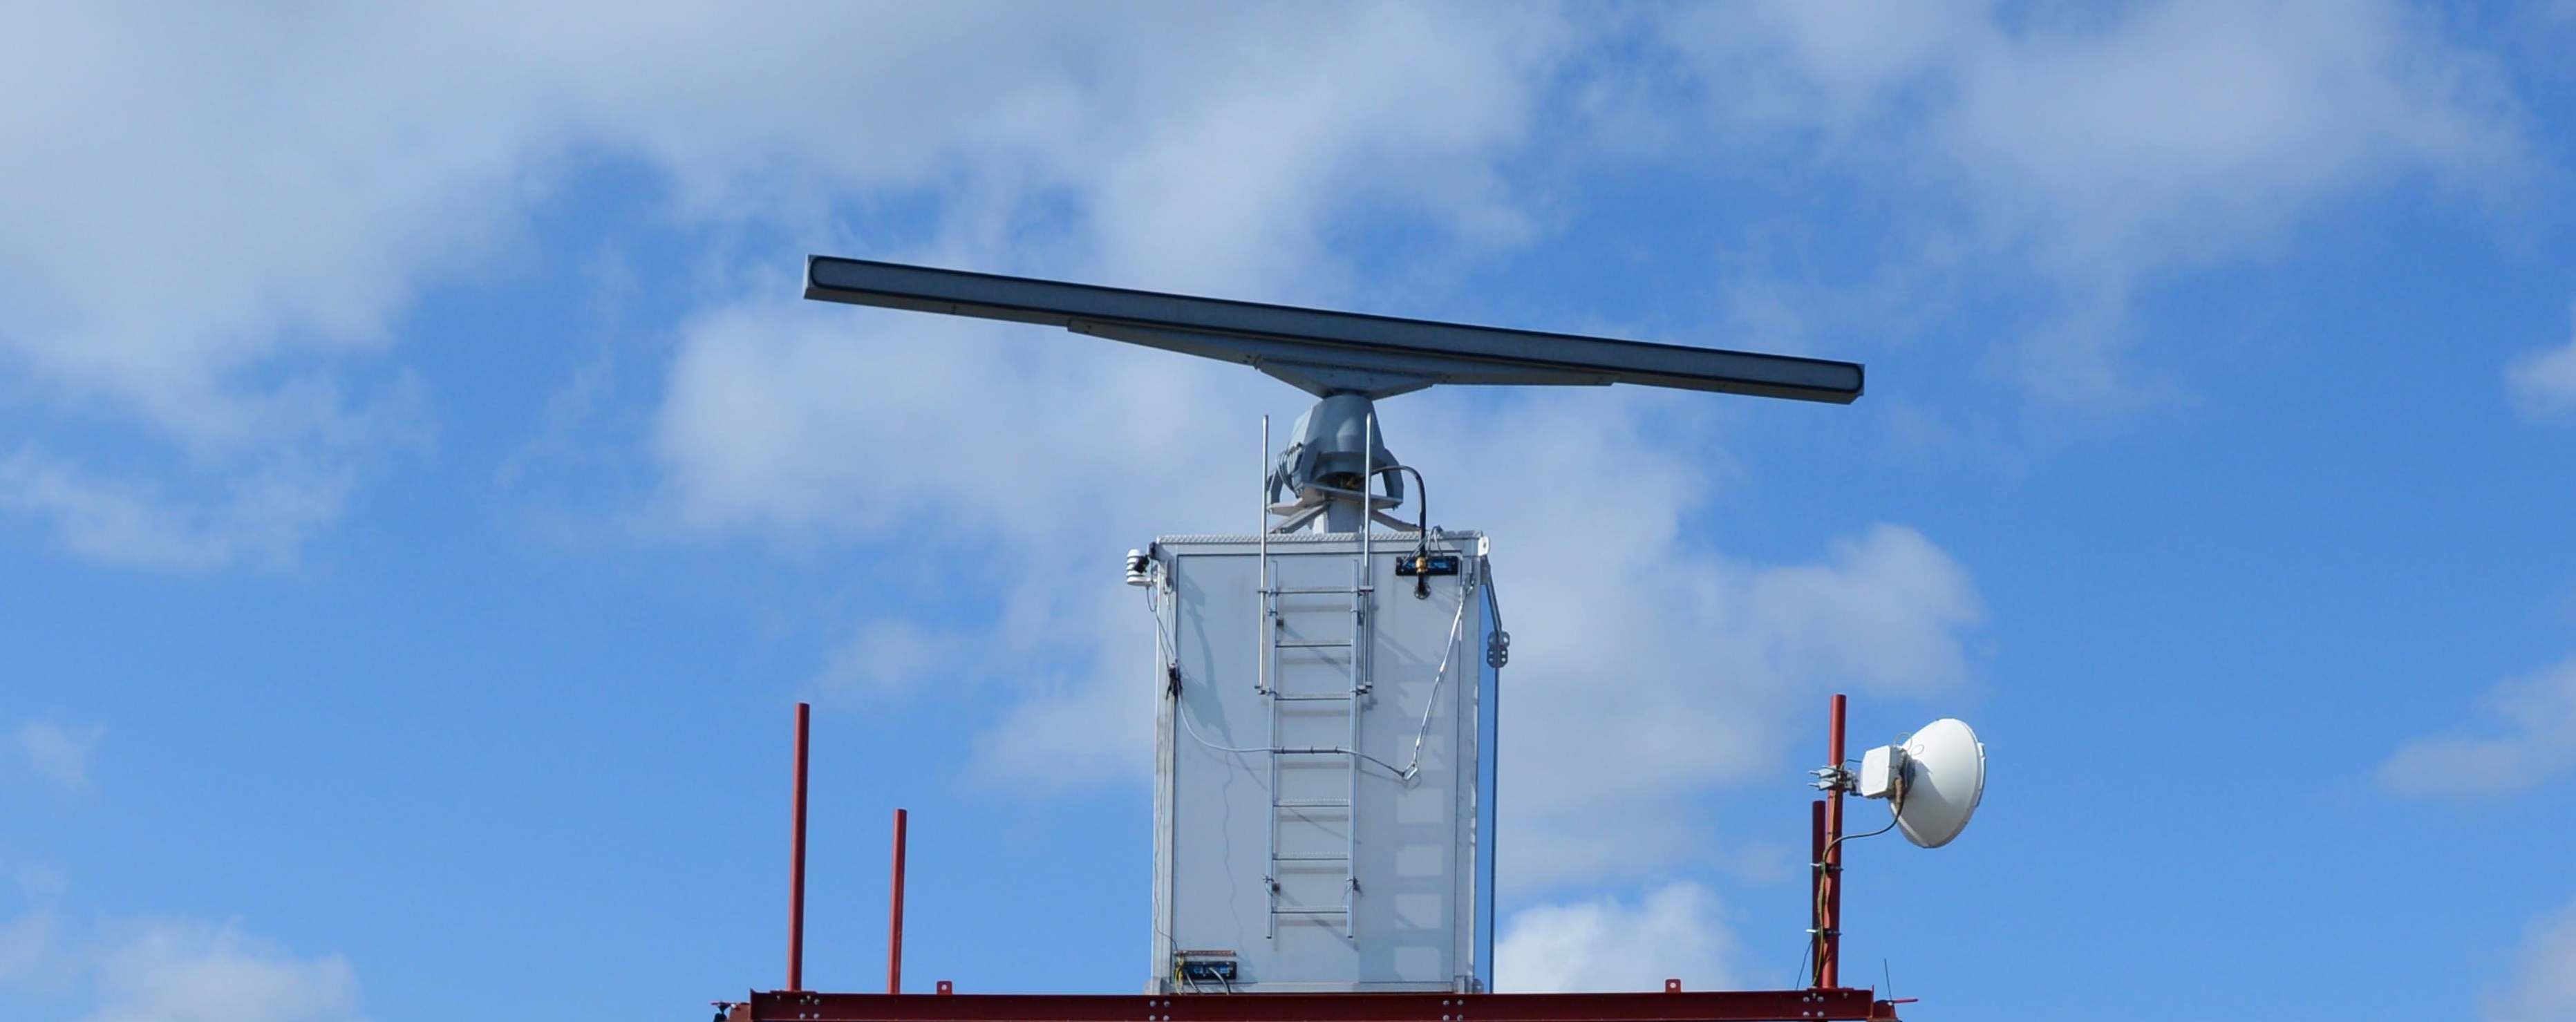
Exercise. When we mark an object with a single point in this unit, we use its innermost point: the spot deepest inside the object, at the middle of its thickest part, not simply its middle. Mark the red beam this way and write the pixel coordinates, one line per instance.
(1708, 1006)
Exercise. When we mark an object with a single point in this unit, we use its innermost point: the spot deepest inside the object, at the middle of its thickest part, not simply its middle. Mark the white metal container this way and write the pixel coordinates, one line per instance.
(1324, 776)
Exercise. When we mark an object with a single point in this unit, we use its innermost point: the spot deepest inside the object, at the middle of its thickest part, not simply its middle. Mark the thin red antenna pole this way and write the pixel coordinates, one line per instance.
(1816, 890)
(894, 940)
(1829, 963)
(796, 860)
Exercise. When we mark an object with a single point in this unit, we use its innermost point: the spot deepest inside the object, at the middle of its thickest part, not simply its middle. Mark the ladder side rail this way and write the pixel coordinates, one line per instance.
(1270, 703)
(1267, 608)
(1363, 579)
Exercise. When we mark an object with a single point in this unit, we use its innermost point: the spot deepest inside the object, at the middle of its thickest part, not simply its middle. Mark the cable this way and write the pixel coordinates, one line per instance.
(1422, 510)
(1456, 624)
(1895, 804)
(1816, 937)
(1838, 842)
(1421, 532)
(1166, 645)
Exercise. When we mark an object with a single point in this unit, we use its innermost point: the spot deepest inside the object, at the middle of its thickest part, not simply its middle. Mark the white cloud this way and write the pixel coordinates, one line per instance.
(2537, 743)
(2100, 148)
(312, 176)
(2542, 383)
(238, 208)
(262, 515)
(2544, 985)
(1647, 670)
(892, 655)
(56, 753)
(1648, 667)
(35, 880)
(234, 200)
(803, 418)
(193, 972)
(176, 971)
(31, 953)
(1073, 732)
(1677, 931)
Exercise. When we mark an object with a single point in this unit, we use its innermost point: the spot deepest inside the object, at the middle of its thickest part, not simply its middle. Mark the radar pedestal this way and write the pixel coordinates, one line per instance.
(1335, 472)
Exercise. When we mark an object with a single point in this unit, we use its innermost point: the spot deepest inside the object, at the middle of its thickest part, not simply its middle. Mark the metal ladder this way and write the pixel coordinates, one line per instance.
(1355, 691)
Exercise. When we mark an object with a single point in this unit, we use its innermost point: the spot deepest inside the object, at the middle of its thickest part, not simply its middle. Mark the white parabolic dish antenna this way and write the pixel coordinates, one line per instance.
(1945, 776)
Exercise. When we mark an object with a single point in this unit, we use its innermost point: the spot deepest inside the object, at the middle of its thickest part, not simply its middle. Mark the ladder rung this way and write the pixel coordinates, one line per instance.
(1333, 698)
(1309, 857)
(1316, 644)
(1312, 803)
(1313, 591)
(1310, 911)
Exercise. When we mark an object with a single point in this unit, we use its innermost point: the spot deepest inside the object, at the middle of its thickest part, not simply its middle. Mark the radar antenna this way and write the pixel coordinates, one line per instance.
(1347, 360)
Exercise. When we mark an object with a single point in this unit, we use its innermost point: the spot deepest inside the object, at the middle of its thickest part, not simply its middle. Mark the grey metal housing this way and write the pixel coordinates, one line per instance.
(1323, 804)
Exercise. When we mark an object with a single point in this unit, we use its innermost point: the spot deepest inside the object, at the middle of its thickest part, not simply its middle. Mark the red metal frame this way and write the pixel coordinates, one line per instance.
(1697, 1006)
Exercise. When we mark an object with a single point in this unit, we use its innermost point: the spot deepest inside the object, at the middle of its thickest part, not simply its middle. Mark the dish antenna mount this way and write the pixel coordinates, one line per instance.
(1932, 782)
(1347, 360)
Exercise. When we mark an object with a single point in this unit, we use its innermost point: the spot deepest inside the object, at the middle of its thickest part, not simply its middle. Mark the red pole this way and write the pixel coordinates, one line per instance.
(1816, 891)
(894, 942)
(1829, 964)
(796, 861)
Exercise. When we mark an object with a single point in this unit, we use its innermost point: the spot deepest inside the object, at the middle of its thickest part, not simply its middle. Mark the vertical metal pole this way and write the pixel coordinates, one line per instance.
(1351, 793)
(1829, 967)
(1261, 672)
(1368, 477)
(1816, 891)
(796, 860)
(1363, 586)
(894, 939)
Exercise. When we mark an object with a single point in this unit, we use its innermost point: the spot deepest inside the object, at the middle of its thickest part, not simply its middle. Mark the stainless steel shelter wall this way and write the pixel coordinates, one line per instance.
(1383, 880)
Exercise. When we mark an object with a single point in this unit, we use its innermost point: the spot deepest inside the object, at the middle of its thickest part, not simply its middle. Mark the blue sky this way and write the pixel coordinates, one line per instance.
(424, 495)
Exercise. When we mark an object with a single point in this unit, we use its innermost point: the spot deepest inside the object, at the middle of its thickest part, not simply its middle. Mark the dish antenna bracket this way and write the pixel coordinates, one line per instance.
(1346, 360)
(1932, 781)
